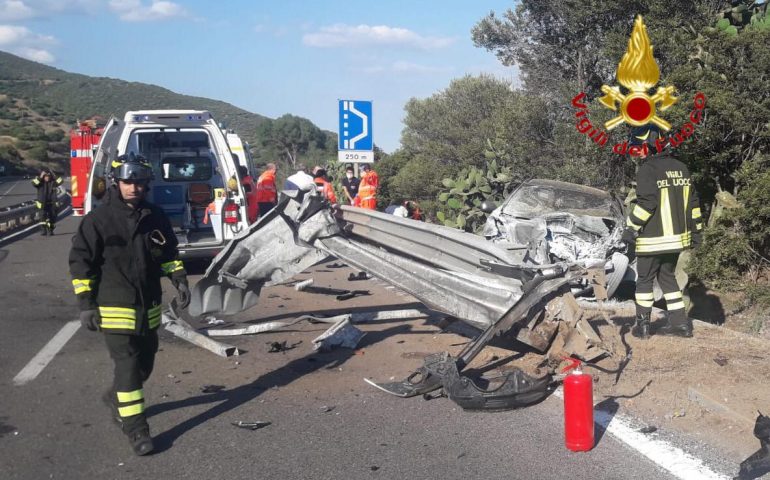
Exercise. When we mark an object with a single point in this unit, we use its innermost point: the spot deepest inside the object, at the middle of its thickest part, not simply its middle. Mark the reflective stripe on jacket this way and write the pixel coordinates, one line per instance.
(118, 256)
(326, 189)
(666, 211)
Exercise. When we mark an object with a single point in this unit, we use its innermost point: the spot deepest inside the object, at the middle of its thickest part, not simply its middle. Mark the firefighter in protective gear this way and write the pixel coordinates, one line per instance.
(267, 195)
(120, 252)
(664, 220)
(367, 189)
(47, 185)
(323, 185)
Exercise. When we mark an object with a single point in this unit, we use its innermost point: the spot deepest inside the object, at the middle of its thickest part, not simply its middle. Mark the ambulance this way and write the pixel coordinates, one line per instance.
(196, 177)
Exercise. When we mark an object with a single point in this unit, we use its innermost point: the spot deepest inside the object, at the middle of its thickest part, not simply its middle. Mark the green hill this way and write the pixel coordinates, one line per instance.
(39, 104)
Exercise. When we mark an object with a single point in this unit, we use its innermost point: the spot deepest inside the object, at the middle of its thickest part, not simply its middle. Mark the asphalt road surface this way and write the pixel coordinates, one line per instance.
(15, 190)
(325, 421)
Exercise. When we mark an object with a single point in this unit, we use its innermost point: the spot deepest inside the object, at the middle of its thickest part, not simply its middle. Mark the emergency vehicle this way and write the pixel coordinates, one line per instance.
(196, 180)
(83, 141)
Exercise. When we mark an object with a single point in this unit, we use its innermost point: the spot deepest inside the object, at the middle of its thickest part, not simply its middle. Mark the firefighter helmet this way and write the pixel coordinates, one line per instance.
(645, 134)
(131, 167)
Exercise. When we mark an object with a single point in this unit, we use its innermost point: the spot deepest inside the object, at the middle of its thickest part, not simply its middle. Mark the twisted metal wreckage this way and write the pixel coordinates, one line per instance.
(498, 290)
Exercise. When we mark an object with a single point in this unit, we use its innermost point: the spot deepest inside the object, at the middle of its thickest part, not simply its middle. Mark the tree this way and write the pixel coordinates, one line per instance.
(291, 136)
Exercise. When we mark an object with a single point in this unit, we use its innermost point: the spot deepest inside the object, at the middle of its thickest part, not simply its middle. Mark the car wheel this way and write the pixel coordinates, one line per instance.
(619, 266)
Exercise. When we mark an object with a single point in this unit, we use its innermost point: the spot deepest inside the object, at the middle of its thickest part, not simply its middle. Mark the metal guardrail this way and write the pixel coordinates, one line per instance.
(26, 213)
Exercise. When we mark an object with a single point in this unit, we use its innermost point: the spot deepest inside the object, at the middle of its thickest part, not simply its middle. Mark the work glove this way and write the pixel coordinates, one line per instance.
(697, 239)
(90, 319)
(628, 240)
(182, 292)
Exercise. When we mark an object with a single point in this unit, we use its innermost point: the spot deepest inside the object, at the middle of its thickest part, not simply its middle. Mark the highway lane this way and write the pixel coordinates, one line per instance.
(326, 422)
(15, 191)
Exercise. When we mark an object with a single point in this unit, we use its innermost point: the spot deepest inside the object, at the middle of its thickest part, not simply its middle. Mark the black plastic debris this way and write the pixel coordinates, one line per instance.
(335, 265)
(250, 425)
(353, 277)
(758, 464)
(212, 388)
(720, 360)
(648, 429)
(283, 346)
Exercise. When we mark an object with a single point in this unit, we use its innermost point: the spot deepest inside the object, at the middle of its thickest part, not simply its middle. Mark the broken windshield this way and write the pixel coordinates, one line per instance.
(533, 200)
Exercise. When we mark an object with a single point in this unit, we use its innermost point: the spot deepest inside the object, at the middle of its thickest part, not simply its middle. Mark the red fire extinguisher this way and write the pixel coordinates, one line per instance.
(578, 408)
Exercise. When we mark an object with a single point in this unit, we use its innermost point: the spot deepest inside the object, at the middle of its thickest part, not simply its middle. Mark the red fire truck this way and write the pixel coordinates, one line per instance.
(83, 142)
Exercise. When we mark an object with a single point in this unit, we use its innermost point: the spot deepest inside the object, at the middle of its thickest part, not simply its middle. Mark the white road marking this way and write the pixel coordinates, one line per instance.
(9, 190)
(672, 459)
(44, 356)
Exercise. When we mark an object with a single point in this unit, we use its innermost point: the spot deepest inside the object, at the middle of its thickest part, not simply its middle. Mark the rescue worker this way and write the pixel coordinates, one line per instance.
(47, 185)
(664, 220)
(267, 195)
(350, 184)
(252, 206)
(323, 185)
(367, 189)
(120, 252)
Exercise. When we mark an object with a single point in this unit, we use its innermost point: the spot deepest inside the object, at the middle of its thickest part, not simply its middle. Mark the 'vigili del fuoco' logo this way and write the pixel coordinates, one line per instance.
(638, 73)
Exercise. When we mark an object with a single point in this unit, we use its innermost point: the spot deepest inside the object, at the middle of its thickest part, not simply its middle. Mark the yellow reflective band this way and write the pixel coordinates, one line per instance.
(631, 224)
(672, 295)
(124, 397)
(686, 199)
(645, 303)
(675, 306)
(38, 204)
(645, 296)
(696, 213)
(118, 312)
(659, 240)
(82, 285)
(118, 325)
(641, 213)
(58, 181)
(153, 316)
(116, 164)
(172, 266)
(699, 226)
(665, 213)
(131, 410)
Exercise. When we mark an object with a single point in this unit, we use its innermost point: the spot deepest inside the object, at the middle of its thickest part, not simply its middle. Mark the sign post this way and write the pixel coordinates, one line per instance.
(355, 132)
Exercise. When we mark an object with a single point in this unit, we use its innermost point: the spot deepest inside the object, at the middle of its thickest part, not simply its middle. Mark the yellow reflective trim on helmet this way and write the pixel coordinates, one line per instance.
(641, 213)
(125, 397)
(131, 410)
(116, 164)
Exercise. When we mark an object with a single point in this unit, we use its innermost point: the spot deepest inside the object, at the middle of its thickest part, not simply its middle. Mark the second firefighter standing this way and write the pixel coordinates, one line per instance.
(47, 186)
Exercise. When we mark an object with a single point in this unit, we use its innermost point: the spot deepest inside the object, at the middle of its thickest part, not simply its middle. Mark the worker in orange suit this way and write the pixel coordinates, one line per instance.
(367, 189)
(323, 185)
(267, 195)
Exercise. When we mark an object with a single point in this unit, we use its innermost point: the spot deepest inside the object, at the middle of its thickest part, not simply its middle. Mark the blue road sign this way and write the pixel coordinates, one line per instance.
(355, 131)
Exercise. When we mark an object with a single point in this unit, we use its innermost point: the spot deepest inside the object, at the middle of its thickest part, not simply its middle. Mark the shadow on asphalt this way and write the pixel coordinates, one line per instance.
(233, 398)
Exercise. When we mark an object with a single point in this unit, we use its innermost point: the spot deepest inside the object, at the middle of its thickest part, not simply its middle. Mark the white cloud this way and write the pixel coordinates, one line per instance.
(26, 43)
(341, 35)
(136, 11)
(401, 67)
(15, 10)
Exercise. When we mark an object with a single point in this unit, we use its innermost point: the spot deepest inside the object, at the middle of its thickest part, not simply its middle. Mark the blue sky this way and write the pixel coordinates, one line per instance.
(268, 57)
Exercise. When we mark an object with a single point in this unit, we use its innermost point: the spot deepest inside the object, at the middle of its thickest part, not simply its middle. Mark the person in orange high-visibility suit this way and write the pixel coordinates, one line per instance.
(367, 189)
(252, 206)
(323, 185)
(267, 195)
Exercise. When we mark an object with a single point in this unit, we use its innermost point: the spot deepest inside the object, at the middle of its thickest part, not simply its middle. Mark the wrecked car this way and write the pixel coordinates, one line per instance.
(499, 291)
(564, 222)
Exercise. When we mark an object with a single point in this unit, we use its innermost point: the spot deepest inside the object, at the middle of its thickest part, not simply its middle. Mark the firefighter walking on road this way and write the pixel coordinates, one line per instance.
(47, 185)
(267, 195)
(120, 252)
(664, 220)
(367, 188)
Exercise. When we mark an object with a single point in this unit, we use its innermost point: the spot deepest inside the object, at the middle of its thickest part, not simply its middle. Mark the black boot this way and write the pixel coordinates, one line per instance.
(141, 441)
(44, 231)
(642, 328)
(676, 330)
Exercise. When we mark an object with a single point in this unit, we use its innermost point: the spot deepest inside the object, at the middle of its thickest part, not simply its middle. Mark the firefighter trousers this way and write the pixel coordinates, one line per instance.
(48, 216)
(134, 358)
(661, 267)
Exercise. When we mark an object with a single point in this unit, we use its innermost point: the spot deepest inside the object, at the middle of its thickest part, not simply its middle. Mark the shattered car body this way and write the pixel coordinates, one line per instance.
(497, 290)
(564, 222)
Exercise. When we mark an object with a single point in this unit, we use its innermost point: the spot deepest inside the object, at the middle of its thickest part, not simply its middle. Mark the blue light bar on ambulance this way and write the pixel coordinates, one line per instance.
(141, 118)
